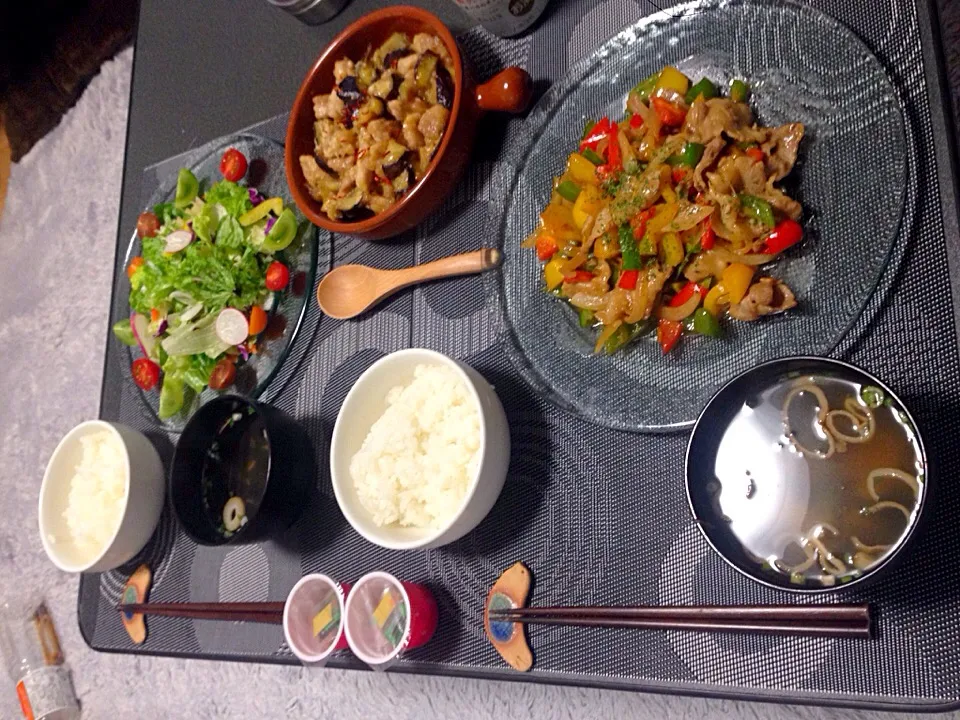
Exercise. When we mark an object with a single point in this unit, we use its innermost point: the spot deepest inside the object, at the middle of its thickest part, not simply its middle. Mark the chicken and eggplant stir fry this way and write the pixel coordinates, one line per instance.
(377, 130)
(661, 220)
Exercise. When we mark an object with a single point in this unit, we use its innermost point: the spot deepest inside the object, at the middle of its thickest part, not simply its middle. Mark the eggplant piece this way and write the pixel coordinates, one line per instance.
(391, 60)
(394, 47)
(403, 181)
(350, 207)
(326, 168)
(366, 74)
(394, 169)
(394, 153)
(349, 91)
(355, 214)
(426, 68)
(445, 88)
(384, 86)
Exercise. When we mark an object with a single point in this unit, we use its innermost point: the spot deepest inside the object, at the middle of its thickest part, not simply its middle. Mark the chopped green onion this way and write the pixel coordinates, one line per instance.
(872, 396)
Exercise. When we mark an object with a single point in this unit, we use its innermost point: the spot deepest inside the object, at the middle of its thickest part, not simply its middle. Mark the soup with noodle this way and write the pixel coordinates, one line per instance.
(818, 478)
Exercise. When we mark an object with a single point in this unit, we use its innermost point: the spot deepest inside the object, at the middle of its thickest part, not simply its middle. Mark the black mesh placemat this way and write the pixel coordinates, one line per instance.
(599, 515)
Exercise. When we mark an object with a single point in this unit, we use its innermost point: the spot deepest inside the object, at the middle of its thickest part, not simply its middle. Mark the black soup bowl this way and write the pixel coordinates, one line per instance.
(242, 471)
(807, 474)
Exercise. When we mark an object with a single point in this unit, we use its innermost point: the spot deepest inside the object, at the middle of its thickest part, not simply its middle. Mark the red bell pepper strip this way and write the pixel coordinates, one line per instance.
(708, 238)
(685, 293)
(668, 332)
(628, 279)
(546, 246)
(635, 121)
(578, 276)
(614, 159)
(639, 223)
(669, 114)
(597, 133)
(756, 153)
(678, 174)
(786, 233)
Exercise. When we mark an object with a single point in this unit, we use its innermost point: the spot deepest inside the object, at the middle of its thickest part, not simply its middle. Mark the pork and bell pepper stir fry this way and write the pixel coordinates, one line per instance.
(661, 219)
(377, 130)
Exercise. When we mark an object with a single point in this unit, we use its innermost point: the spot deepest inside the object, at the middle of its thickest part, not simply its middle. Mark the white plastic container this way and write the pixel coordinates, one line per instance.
(504, 17)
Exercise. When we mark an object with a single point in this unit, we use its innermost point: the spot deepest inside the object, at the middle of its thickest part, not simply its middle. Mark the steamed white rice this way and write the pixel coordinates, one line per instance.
(420, 456)
(97, 493)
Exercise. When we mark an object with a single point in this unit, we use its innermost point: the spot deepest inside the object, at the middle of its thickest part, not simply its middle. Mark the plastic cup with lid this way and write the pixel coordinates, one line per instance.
(313, 618)
(385, 617)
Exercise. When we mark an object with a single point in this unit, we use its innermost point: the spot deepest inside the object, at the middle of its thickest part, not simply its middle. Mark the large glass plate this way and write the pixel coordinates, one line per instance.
(266, 173)
(801, 66)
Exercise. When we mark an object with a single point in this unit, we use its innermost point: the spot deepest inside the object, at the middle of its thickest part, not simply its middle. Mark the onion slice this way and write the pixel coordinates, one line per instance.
(675, 314)
(746, 259)
(177, 241)
(232, 326)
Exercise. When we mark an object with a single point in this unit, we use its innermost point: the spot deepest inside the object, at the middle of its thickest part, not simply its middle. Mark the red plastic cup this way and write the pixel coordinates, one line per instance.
(386, 617)
(312, 595)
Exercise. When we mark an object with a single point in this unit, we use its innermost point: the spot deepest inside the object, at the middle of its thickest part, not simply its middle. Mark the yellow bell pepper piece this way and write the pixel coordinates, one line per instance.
(557, 220)
(589, 203)
(552, 274)
(671, 249)
(662, 217)
(258, 213)
(669, 195)
(715, 297)
(581, 170)
(736, 279)
(672, 79)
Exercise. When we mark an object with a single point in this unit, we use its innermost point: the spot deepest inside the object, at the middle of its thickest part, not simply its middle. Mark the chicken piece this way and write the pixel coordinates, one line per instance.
(781, 149)
(706, 264)
(382, 129)
(336, 141)
(412, 136)
(432, 124)
(643, 299)
(320, 183)
(765, 297)
(378, 203)
(425, 42)
(708, 119)
(781, 201)
(341, 165)
(363, 176)
(406, 66)
(710, 153)
(328, 106)
(614, 305)
(343, 68)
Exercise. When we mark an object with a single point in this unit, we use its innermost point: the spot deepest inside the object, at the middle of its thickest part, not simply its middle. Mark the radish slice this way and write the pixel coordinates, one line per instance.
(141, 331)
(232, 326)
(178, 240)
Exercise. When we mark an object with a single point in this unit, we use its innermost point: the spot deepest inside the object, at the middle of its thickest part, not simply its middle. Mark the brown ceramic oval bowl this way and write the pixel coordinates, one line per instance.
(510, 90)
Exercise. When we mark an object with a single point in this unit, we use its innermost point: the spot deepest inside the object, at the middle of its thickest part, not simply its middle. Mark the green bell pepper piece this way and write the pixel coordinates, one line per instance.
(706, 324)
(586, 318)
(593, 157)
(628, 248)
(124, 332)
(568, 190)
(758, 209)
(703, 87)
(688, 156)
(646, 86)
(739, 91)
(646, 247)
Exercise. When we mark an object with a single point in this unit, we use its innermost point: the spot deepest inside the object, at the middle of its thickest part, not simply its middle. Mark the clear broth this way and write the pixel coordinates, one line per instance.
(236, 466)
(776, 497)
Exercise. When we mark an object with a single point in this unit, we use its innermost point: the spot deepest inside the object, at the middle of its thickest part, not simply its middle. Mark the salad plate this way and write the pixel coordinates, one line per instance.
(222, 253)
(850, 179)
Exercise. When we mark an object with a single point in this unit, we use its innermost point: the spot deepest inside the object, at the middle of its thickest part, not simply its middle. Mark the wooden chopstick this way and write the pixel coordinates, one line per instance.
(817, 621)
(264, 612)
(798, 613)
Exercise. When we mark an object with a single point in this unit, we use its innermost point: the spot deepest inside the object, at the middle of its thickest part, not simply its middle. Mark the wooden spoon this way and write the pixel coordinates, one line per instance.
(347, 291)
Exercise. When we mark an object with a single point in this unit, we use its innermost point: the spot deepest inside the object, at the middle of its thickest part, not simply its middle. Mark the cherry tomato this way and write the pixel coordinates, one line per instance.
(277, 276)
(258, 320)
(134, 264)
(233, 165)
(146, 373)
(223, 374)
(147, 224)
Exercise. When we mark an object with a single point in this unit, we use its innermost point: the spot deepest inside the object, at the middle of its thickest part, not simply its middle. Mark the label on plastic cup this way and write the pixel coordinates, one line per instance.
(313, 618)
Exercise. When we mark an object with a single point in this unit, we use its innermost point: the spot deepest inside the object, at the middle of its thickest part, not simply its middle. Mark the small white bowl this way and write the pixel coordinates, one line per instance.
(367, 401)
(145, 488)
